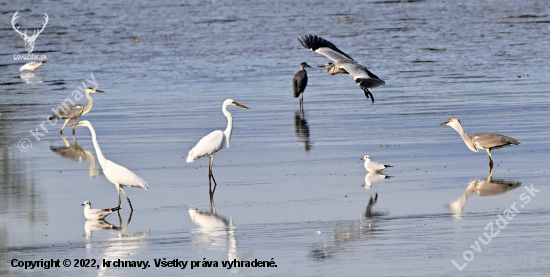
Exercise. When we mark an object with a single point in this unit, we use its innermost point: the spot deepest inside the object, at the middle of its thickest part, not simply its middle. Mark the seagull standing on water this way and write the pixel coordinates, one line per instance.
(374, 167)
(31, 66)
(482, 141)
(90, 213)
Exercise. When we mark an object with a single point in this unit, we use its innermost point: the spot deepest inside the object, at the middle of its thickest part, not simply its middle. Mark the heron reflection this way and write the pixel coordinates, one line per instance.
(76, 154)
(301, 129)
(482, 187)
(349, 231)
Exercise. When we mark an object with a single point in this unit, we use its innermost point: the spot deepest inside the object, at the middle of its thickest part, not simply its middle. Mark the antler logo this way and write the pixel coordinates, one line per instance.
(29, 41)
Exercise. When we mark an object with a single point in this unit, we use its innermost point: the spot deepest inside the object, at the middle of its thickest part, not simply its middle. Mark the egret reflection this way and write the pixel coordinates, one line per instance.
(372, 178)
(76, 154)
(216, 231)
(349, 231)
(301, 129)
(481, 187)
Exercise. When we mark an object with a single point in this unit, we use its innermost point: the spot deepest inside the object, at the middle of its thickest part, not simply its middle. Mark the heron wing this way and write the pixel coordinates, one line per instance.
(123, 176)
(207, 146)
(493, 141)
(323, 47)
(362, 75)
(69, 111)
(299, 83)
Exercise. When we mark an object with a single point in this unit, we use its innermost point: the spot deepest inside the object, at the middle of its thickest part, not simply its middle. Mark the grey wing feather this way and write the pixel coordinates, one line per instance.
(363, 76)
(494, 141)
(323, 47)
(299, 83)
(67, 112)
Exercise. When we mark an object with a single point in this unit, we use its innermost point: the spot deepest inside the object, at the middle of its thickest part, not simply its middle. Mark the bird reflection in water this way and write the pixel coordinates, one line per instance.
(349, 231)
(123, 246)
(301, 129)
(482, 187)
(372, 178)
(76, 154)
(31, 77)
(215, 231)
(97, 224)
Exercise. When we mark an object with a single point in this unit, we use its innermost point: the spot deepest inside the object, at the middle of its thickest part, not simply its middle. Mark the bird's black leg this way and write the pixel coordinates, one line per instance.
(215, 184)
(367, 94)
(210, 179)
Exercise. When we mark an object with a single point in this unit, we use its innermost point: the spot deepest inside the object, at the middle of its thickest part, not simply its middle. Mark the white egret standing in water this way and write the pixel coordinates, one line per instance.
(213, 142)
(116, 174)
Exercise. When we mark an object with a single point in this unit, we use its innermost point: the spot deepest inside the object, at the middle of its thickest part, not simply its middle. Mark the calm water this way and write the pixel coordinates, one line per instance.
(290, 184)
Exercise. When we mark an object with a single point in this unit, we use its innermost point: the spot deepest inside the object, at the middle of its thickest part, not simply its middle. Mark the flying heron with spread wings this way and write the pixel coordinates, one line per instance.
(343, 63)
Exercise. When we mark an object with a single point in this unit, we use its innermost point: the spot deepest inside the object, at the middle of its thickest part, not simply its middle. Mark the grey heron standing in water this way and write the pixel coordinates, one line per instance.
(74, 111)
(299, 83)
(482, 141)
(344, 64)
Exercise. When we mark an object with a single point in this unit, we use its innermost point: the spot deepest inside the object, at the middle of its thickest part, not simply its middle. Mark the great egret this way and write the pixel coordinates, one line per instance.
(374, 167)
(32, 66)
(116, 174)
(482, 141)
(299, 83)
(74, 111)
(344, 63)
(213, 142)
(90, 213)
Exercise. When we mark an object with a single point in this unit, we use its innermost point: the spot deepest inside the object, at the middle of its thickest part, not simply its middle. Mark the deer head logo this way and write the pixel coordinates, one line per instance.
(29, 41)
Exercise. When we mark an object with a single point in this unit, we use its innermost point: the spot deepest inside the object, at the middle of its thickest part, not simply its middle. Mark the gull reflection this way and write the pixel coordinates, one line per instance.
(482, 187)
(31, 77)
(216, 231)
(123, 246)
(301, 129)
(371, 178)
(75, 154)
(97, 224)
(349, 231)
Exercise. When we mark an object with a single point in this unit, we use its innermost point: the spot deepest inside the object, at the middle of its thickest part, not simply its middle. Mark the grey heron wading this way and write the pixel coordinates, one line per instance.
(343, 63)
(212, 143)
(75, 111)
(482, 141)
(299, 83)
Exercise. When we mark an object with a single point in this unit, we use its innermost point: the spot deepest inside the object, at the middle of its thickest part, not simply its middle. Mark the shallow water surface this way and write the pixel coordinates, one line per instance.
(292, 188)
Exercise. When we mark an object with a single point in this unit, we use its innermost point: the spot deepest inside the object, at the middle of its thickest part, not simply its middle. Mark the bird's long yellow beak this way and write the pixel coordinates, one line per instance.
(97, 90)
(445, 123)
(241, 105)
(324, 65)
(74, 124)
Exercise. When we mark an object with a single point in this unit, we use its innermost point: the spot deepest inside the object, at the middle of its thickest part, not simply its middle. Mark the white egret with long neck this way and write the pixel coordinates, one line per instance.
(74, 111)
(213, 142)
(482, 141)
(116, 174)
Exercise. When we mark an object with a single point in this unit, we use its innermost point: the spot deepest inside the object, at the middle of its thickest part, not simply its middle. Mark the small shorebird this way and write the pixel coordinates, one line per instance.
(90, 213)
(374, 167)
